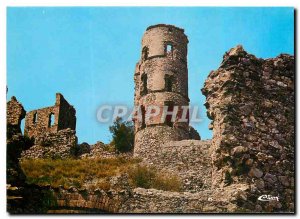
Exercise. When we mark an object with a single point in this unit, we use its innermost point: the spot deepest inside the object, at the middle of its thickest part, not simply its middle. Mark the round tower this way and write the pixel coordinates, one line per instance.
(161, 90)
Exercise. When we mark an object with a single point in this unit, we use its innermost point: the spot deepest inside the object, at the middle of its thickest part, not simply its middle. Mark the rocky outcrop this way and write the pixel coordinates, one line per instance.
(251, 104)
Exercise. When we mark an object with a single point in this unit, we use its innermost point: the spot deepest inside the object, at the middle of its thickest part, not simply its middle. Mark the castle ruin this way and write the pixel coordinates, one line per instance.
(53, 129)
(50, 119)
(251, 103)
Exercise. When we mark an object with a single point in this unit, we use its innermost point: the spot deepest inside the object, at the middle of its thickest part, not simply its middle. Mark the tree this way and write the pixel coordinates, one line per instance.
(122, 135)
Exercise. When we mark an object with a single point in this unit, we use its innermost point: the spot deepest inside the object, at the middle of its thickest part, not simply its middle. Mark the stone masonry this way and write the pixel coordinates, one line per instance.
(52, 139)
(161, 79)
(15, 141)
(39, 121)
(141, 200)
(14, 113)
(190, 160)
(251, 104)
(62, 144)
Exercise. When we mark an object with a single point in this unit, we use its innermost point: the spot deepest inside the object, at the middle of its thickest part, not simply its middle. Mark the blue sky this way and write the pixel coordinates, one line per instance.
(89, 54)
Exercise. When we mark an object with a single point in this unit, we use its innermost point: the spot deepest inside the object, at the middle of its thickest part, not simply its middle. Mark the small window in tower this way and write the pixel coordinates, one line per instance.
(34, 118)
(168, 83)
(51, 120)
(169, 48)
(144, 90)
(145, 53)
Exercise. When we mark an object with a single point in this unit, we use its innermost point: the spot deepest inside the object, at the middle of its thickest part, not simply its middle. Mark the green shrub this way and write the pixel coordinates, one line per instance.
(123, 135)
(228, 178)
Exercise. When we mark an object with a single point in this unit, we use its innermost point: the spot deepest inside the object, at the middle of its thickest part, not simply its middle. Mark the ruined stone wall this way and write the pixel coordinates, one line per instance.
(99, 150)
(251, 104)
(56, 140)
(207, 201)
(62, 144)
(67, 113)
(39, 121)
(14, 113)
(107, 201)
(189, 160)
(141, 200)
(15, 142)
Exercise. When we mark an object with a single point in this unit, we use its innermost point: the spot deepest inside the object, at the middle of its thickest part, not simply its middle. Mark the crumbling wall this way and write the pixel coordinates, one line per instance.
(57, 140)
(251, 104)
(67, 113)
(99, 150)
(38, 122)
(15, 142)
(206, 201)
(141, 200)
(62, 144)
(14, 113)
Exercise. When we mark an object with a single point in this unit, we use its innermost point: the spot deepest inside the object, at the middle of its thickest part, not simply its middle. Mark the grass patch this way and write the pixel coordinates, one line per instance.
(80, 172)
(72, 172)
(149, 177)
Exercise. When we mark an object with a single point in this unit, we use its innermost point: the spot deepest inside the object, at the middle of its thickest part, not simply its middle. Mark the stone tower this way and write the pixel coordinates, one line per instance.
(161, 79)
